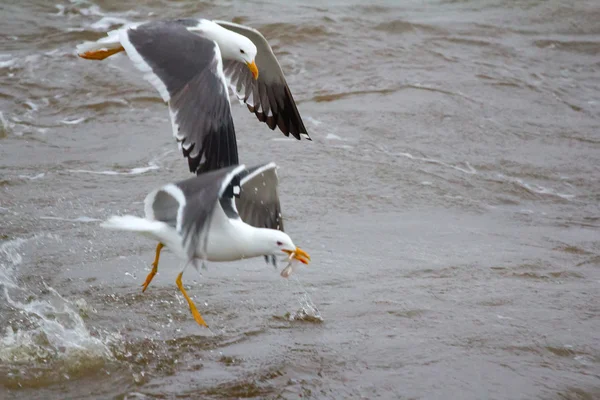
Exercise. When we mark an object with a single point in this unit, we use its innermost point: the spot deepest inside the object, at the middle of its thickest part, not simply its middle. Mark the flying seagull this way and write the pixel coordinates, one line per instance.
(199, 220)
(192, 62)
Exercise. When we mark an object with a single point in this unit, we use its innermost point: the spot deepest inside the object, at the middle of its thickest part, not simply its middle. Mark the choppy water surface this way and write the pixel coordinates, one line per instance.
(449, 201)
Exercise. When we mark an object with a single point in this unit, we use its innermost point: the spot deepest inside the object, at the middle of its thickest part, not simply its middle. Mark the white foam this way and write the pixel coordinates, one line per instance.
(469, 170)
(73, 121)
(6, 125)
(134, 171)
(31, 105)
(8, 63)
(141, 170)
(33, 177)
(331, 136)
(92, 10)
(532, 187)
(78, 219)
(61, 9)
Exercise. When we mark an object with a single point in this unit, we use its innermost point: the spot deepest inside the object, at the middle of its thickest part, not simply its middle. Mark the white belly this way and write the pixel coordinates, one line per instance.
(229, 240)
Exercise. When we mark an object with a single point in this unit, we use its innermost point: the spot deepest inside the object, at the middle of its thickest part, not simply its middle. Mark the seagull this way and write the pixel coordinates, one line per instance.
(192, 63)
(226, 214)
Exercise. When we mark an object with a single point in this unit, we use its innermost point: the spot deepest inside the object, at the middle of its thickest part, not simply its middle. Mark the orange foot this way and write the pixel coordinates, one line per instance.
(154, 267)
(193, 308)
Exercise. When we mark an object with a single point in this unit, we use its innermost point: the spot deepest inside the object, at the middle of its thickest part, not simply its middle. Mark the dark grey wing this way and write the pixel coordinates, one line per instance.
(162, 205)
(188, 205)
(187, 71)
(258, 202)
(202, 195)
(268, 97)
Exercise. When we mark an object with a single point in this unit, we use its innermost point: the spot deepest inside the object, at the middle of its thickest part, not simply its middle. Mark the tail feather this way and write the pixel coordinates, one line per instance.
(132, 223)
(156, 230)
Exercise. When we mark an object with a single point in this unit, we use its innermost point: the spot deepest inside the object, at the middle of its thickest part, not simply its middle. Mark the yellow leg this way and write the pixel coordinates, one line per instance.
(154, 267)
(193, 308)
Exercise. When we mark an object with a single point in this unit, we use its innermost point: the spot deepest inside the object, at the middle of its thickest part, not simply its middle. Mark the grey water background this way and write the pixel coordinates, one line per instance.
(449, 201)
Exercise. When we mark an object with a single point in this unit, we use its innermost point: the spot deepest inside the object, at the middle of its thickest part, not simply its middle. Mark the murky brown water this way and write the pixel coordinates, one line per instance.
(449, 200)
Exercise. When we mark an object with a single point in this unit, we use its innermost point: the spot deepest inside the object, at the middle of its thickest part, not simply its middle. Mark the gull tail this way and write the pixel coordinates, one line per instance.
(157, 230)
(102, 48)
(134, 224)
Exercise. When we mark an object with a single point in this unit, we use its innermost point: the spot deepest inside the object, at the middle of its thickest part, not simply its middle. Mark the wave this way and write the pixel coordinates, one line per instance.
(468, 170)
(399, 26)
(78, 219)
(134, 171)
(591, 48)
(534, 188)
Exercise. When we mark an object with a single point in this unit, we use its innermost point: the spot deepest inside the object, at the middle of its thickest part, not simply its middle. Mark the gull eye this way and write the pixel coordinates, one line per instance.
(279, 243)
(242, 51)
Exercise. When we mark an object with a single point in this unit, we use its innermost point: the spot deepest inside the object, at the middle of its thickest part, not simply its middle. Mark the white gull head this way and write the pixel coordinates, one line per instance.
(268, 242)
(273, 242)
(232, 45)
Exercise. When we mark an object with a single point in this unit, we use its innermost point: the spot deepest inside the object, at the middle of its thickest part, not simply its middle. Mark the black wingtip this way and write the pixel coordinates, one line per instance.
(285, 114)
(295, 123)
(271, 260)
(219, 149)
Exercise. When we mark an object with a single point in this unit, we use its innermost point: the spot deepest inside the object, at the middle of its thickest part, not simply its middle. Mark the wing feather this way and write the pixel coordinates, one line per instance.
(270, 92)
(258, 203)
(187, 69)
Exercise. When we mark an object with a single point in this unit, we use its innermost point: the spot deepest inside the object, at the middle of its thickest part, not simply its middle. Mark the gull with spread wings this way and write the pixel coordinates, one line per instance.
(192, 63)
(220, 215)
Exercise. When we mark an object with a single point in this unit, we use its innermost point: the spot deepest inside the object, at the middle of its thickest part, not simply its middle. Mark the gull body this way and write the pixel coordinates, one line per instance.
(229, 239)
(194, 63)
(198, 219)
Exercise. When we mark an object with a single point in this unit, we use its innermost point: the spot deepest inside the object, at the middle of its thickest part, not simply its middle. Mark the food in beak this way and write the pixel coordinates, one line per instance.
(290, 268)
(295, 258)
(299, 255)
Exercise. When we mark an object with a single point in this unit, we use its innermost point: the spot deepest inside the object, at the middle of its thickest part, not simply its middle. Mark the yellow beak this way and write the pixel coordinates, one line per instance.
(253, 68)
(299, 255)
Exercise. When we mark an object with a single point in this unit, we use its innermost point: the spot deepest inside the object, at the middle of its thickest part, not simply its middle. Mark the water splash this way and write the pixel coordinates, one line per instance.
(9, 259)
(308, 311)
(44, 335)
(58, 333)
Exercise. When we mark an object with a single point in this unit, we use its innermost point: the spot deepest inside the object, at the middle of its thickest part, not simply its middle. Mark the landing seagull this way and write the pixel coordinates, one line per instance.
(199, 220)
(192, 62)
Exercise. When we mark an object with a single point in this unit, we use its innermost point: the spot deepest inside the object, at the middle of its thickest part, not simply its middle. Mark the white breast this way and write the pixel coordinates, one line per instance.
(230, 240)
